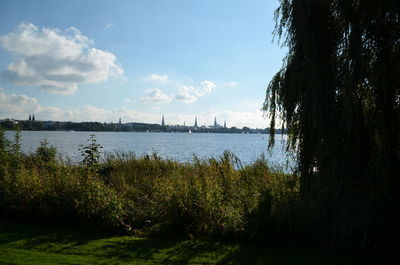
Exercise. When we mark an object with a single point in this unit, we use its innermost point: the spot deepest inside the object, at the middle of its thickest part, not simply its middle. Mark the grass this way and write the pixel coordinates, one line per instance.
(23, 243)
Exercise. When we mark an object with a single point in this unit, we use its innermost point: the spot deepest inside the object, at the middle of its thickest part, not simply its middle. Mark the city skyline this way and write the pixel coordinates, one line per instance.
(31, 117)
(195, 123)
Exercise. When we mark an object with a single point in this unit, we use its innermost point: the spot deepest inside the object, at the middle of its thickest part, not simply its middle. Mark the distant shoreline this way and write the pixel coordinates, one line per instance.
(178, 132)
(25, 125)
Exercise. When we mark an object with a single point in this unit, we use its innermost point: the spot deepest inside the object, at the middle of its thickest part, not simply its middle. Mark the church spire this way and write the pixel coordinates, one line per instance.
(162, 121)
(215, 122)
(195, 121)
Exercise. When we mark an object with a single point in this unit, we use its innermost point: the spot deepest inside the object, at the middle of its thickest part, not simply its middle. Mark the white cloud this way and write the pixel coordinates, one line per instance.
(92, 113)
(108, 26)
(18, 106)
(155, 95)
(186, 94)
(237, 119)
(205, 88)
(230, 84)
(156, 78)
(189, 94)
(254, 119)
(28, 40)
(56, 61)
(185, 97)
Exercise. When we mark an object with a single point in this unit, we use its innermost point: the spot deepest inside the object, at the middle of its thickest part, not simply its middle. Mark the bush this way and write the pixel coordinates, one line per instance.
(46, 153)
(91, 152)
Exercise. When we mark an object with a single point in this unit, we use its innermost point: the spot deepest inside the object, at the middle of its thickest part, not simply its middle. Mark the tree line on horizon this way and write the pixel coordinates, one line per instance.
(31, 125)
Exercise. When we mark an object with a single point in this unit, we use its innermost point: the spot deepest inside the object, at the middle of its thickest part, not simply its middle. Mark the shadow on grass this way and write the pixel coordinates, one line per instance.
(166, 251)
(99, 247)
(36, 234)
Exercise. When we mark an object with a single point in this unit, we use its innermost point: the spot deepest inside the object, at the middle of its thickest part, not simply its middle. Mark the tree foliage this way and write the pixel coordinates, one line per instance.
(338, 93)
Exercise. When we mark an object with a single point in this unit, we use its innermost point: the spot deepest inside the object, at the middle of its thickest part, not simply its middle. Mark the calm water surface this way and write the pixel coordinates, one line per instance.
(178, 146)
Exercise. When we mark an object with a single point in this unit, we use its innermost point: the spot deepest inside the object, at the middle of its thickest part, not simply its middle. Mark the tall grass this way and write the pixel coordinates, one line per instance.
(149, 195)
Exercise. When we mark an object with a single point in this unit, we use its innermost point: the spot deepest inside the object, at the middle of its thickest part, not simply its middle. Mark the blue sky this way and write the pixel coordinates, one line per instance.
(138, 60)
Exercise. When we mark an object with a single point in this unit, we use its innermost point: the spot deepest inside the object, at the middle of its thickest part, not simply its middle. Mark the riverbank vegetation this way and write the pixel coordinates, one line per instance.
(149, 196)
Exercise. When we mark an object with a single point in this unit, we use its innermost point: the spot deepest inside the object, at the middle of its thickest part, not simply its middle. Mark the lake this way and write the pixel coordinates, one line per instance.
(178, 146)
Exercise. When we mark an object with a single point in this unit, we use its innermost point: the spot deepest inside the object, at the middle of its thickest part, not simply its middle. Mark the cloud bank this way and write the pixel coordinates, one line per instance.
(56, 61)
(20, 106)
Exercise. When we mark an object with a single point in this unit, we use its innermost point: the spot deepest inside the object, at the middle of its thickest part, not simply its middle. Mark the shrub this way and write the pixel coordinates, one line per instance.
(91, 152)
(46, 153)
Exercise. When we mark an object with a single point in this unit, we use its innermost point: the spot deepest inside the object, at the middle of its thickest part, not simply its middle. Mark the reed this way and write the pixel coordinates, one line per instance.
(148, 195)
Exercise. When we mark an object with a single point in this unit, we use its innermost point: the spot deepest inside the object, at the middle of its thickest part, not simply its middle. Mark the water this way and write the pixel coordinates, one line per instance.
(178, 146)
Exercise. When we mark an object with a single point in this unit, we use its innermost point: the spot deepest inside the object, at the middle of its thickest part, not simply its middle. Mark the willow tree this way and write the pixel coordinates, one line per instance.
(338, 94)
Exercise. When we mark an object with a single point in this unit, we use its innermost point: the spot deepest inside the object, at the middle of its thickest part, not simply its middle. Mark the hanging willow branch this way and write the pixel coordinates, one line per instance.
(339, 96)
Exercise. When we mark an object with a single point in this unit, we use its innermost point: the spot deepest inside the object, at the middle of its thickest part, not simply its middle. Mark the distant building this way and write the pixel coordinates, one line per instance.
(225, 124)
(195, 122)
(162, 121)
(119, 121)
(216, 125)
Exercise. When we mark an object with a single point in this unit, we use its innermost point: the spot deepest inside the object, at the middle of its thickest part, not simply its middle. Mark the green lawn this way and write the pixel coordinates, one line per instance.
(22, 243)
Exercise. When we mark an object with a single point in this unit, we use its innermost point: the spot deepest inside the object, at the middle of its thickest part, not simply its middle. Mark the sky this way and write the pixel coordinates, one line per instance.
(138, 60)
